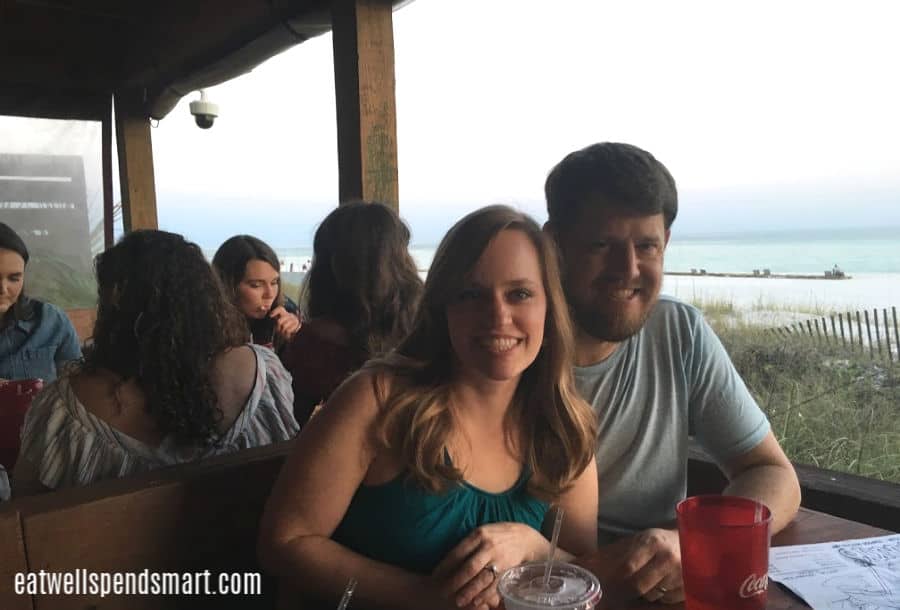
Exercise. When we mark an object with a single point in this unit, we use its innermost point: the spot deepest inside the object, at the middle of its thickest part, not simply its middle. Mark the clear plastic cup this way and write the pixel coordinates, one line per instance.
(571, 587)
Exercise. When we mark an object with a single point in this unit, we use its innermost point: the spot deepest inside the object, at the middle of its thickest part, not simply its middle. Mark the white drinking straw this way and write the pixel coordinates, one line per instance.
(554, 540)
(348, 593)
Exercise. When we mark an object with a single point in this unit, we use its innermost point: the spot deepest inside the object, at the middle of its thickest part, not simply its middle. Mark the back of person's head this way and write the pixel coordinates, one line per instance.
(558, 424)
(162, 317)
(10, 240)
(362, 275)
(230, 261)
(611, 174)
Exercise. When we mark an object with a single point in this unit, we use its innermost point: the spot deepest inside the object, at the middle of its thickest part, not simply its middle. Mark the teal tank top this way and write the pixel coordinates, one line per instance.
(402, 524)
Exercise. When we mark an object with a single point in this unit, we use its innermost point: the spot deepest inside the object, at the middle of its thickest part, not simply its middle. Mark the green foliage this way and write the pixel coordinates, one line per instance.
(291, 290)
(52, 280)
(829, 404)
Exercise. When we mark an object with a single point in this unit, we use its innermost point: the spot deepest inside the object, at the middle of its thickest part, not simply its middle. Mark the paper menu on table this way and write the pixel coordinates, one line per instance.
(859, 574)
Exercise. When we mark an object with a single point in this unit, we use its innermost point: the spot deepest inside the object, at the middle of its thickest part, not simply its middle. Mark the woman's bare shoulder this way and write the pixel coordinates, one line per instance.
(233, 377)
(362, 392)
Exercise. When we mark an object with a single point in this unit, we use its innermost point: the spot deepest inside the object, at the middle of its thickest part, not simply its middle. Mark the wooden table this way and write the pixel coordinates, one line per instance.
(808, 527)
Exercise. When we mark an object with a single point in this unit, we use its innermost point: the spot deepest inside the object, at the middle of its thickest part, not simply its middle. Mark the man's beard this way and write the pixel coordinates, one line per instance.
(612, 326)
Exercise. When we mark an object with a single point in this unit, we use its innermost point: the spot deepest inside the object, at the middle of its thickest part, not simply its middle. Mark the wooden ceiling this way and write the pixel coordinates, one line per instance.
(64, 58)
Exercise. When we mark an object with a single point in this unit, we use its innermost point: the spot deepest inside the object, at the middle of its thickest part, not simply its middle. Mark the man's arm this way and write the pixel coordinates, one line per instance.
(766, 474)
(648, 564)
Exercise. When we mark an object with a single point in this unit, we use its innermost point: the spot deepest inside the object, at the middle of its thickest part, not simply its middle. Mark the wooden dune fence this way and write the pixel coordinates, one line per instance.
(872, 330)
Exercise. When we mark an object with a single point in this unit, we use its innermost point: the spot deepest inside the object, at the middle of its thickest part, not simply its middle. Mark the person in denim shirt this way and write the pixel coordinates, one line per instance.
(36, 338)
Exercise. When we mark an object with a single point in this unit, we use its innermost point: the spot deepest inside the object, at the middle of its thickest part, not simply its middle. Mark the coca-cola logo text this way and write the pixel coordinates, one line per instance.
(754, 585)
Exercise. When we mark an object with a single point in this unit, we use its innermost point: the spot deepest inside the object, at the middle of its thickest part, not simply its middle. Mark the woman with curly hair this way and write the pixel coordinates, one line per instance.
(249, 269)
(432, 469)
(360, 297)
(170, 377)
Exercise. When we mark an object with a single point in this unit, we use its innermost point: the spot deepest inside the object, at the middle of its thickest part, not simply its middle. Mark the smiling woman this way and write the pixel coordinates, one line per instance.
(496, 324)
(433, 469)
(36, 338)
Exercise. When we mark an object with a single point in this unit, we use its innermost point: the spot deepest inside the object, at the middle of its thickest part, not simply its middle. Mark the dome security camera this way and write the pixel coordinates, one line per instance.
(205, 112)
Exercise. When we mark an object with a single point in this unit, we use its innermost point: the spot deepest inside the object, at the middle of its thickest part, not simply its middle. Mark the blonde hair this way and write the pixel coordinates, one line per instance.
(558, 427)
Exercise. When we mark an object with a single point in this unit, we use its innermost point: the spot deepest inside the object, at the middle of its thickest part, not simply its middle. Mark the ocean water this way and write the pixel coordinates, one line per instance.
(871, 256)
(873, 250)
(293, 259)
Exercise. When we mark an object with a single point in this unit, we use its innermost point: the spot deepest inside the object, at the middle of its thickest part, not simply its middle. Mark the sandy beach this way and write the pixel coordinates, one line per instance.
(779, 302)
(863, 290)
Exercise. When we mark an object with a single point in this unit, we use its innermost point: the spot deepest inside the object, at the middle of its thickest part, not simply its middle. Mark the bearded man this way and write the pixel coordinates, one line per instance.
(652, 368)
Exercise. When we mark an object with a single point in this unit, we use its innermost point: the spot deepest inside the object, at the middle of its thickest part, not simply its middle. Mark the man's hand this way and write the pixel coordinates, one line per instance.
(651, 565)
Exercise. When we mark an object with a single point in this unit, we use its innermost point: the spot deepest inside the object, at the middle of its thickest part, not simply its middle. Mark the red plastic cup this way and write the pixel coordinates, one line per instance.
(724, 552)
(15, 398)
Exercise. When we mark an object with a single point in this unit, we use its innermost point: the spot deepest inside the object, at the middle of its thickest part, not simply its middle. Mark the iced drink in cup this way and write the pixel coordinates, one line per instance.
(724, 552)
(571, 587)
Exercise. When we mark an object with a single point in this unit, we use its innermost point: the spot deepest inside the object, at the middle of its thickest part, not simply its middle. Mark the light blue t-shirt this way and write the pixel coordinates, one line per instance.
(39, 346)
(670, 381)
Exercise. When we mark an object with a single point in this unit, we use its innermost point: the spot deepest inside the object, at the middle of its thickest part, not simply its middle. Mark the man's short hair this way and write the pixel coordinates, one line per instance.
(617, 174)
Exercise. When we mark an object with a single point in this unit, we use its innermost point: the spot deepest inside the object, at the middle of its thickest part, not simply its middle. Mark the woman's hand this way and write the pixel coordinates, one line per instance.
(286, 323)
(468, 574)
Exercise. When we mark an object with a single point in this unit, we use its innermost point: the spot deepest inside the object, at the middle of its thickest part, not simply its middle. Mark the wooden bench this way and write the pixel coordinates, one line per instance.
(189, 518)
(83, 321)
(12, 560)
(870, 501)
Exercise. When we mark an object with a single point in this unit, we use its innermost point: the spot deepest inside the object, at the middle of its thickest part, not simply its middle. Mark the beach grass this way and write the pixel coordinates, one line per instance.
(291, 290)
(830, 405)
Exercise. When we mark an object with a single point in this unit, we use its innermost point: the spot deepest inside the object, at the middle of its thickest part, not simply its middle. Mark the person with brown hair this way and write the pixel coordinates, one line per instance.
(651, 366)
(432, 469)
(249, 268)
(170, 377)
(359, 296)
(36, 338)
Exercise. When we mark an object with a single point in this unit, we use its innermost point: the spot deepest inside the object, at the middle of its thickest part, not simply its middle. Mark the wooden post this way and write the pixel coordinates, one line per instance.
(834, 331)
(859, 331)
(877, 332)
(887, 335)
(896, 331)
(106, 163)
(363, 39)
(135, 164)
(869, 333)
(818, 332)
(850, 329)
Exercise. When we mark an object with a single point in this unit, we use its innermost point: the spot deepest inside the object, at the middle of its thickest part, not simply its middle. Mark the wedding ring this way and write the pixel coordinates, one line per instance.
(662, 590)
(492, 568)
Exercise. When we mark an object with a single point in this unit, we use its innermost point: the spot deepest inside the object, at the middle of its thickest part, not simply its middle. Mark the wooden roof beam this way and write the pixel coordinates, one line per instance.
(366, 104)
(135, 164)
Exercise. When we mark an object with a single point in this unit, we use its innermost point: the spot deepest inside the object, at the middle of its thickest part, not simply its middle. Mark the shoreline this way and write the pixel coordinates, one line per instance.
(828, 275)
(810, 298)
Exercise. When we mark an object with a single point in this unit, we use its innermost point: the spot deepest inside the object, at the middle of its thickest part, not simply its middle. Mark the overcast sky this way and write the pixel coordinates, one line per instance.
(769, 115)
